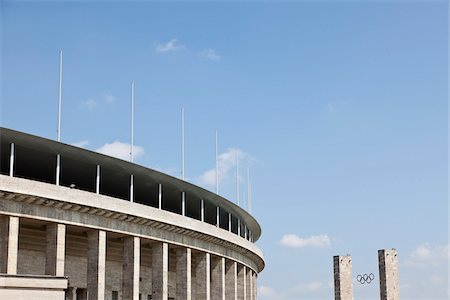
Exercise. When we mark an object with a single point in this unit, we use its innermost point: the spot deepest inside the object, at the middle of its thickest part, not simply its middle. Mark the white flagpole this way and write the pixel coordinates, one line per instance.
(217, 164)
(249, 191)
(59, 95)
(132, 121)
(237, 177)
(182, 143)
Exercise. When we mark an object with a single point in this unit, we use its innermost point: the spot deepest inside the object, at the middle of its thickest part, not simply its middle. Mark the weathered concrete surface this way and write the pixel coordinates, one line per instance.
(55, 249)
(231, 280)
(9, 244)
(203, 276)
(96, 264)
(343, 285)
(21, 287)
(131, 267)
(160, 271)
(241, 283)
(217, 278)
(183, 274)
(388, 268)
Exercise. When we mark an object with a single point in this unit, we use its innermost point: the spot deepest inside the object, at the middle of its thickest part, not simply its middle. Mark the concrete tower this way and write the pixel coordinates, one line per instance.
(388, 267)
(343, 286)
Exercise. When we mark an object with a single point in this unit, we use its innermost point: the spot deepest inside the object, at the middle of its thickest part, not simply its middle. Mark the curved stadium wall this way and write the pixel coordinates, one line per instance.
(76, 224)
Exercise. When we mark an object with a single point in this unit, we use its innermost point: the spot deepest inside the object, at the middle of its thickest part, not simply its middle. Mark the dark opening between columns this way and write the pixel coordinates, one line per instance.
(145, 191)
(193, 206)
(78, 173)
(34, 164)
(5, 149)
(114, 182)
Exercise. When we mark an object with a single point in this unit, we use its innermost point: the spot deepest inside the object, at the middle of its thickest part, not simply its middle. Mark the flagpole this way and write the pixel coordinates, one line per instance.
(182, 143)
(237, 177)
(249, 191)
(59, 95)
(217, 164)
(132, 121)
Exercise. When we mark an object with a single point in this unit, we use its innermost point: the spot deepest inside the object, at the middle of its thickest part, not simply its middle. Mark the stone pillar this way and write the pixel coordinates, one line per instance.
(131, 267)
(96, 264)
(203, 276)
(241, 285)
(160, 271)
(9, 245)
(255, 286)
(248, 284)
(55, 249)
(343, 286)
(218, 278)
(183, 273)
(388, 268)
(231, 280)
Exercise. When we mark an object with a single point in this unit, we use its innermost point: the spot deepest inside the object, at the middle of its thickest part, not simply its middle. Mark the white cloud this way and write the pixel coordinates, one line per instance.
(120, 150)
(170, 46)
(315, 241)
(227, 163)
(93, 102)
(80, 144)
(266, 292)
(108, 98)
(90, 103)
(210, 54)
(427, 255)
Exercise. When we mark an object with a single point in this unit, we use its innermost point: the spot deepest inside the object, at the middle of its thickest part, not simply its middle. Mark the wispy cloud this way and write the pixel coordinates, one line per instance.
(428, 255)
(315, 241)
(108, 98)
(80, 144)
(210, 54)
(170, 46)
(120, 150)
(266, 292)
(90, 103)
(93, 102)
(226, 162)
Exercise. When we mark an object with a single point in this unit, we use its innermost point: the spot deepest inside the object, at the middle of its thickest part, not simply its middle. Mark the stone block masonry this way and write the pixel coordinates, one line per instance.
(343, 286)
(388, 268)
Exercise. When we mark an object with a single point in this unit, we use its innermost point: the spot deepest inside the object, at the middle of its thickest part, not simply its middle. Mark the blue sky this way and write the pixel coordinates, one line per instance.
(339, 109)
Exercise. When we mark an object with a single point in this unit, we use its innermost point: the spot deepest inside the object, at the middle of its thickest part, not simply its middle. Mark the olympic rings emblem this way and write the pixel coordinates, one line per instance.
(365, 278)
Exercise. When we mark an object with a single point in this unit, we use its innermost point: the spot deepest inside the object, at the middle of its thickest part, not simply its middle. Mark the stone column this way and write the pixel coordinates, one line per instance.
(231, 280)
(55, 249)
(388, 268)
(241, 285)
(131, 267)
(9, 245)
(160, 271)
(218, 278)
(96, 264)
(255, 286)
(248, 284)
(183, 270)
(343, 286)
(203, 276)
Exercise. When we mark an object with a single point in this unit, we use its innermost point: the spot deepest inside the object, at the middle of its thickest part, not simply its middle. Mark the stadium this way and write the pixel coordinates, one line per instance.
(77, 224)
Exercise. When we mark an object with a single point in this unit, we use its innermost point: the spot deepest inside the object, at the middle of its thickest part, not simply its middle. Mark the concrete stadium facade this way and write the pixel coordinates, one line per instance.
(76, 224)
